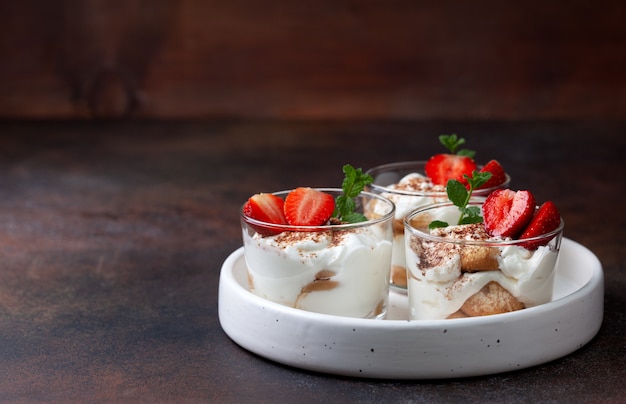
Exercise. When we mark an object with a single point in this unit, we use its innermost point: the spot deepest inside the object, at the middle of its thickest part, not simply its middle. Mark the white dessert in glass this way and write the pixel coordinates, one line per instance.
(337, 269)
(409, 188)
(460, 271)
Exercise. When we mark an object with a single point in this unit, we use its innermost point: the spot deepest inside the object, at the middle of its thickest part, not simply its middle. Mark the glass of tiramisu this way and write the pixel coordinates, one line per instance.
(503, 263)
(408, 186)
(337, 267)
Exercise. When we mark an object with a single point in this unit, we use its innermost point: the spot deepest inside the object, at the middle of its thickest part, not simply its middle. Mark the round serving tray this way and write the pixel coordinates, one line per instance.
(396, 348)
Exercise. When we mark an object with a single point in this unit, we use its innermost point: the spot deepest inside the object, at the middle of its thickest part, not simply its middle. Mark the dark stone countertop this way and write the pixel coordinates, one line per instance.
(113, 235)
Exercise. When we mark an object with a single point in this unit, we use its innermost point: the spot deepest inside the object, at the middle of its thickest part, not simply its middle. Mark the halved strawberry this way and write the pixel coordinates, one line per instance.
(308, 207)
(546, 219)
(498, 175)
(442, 167)
(265, 208)
(506, 212)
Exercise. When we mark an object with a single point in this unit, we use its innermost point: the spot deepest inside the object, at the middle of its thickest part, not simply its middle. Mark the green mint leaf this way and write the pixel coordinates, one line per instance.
(353, 184)
(478, 179)
(437, 223)
(354, 217)
(460, 196)
(470, 214)
(473, 211)
(354, 181)
(343, 205)
(451, 142)
(471, 220)
(457, 193)
(466, 152)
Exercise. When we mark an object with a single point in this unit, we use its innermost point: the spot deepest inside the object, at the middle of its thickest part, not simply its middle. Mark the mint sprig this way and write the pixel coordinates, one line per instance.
(452, 143)
(353, 184)
(460, 196)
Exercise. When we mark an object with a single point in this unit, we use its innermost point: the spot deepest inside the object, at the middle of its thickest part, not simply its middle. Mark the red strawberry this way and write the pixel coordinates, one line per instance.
(545, 220)
(442, 167)
(497, 174)
(506, 212)
(308, 207)
(265, 208)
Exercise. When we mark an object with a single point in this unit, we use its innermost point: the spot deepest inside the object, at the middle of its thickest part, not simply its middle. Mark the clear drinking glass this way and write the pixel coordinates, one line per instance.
(469, 276)
(385, 179)
(338, 269)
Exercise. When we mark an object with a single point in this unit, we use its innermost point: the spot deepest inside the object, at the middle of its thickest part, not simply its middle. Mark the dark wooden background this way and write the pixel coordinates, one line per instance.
(132, 130)
(323, 59)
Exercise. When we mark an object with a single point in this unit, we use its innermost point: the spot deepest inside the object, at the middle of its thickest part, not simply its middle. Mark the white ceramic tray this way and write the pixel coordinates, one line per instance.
(396, 348)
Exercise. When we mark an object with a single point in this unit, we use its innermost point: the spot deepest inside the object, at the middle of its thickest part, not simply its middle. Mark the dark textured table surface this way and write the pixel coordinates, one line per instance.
(113, 235)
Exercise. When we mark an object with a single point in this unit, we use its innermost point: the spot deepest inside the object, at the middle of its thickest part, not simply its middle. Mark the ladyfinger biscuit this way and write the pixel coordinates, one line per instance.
(479, 258)
(491, 299)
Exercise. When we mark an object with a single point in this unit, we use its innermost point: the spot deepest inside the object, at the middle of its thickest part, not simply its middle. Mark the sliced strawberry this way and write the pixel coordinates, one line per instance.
(308, 207)
(546, 219)
(443, 167)
(498, 175)
(265, 208)
(507, 212)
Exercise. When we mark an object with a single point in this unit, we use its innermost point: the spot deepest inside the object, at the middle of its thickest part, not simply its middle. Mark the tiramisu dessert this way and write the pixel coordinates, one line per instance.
(318, 250)
(413, 184)
(475, 258)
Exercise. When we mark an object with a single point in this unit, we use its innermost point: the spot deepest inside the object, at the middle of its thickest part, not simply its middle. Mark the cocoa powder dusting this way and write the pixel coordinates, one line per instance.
(287, 238)
(338, 237)
(474, 231)
(473, 257)
(432, 254)
(419, 184)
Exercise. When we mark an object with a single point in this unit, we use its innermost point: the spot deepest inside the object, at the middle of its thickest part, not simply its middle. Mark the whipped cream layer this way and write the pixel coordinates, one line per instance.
(443, 275)
(344, 273)
(413, 191)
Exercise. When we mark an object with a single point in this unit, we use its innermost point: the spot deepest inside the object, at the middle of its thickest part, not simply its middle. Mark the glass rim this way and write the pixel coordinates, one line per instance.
(405, 164)
(492, 242)
(334, 227)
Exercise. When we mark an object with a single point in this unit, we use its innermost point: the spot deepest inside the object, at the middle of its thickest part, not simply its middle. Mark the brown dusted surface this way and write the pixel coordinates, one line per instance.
(492, 299)
(113, 236)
